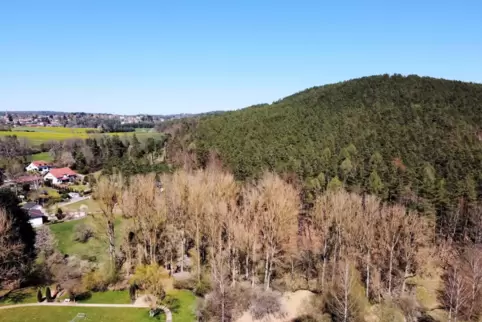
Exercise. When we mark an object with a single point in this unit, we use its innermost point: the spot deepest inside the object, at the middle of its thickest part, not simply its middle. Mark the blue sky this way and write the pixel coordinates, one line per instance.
(164, 57)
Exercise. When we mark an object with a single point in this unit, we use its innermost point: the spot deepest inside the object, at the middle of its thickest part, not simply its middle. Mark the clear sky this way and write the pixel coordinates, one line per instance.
(164, 57)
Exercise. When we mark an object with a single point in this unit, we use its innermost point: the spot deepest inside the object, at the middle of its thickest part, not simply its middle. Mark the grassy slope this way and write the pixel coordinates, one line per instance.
(64, 233)
(96, 246)
(92, 205)
(44, 156)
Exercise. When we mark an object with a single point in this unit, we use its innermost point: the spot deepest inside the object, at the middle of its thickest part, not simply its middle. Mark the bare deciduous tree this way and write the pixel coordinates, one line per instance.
(11, 254)
(107, 194)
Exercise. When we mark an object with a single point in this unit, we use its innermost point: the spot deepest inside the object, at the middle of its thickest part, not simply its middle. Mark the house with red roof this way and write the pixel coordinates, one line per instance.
(61, 175)
(39, 165)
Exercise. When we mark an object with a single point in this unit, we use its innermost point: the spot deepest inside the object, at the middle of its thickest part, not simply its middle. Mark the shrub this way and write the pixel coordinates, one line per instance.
(60, 214)
(264, 304)
(39, 296)
(83, 233)
(185, 284)
(48, 295)
(202, 288)
(94, 281)
(151, 278)
(132, 292)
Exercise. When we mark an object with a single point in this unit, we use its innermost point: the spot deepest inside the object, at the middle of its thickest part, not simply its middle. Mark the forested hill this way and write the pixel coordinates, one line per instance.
(399, 137)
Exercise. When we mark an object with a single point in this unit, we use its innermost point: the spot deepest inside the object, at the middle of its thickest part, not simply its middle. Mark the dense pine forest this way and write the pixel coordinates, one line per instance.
(415, 140)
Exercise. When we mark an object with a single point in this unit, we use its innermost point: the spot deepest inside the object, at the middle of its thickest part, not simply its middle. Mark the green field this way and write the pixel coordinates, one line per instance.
(49, 314)
(180, 302)
(64, 233)
(95, 249)
(35, 136)
(92, 205)
(44, 156)
(23, 295)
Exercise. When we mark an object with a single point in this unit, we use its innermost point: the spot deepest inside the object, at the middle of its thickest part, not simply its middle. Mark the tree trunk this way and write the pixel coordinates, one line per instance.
(246, 268)
(233, 267)
(347, 290)
(253, 268)
(266, 268)
(405, 276)
(198, 249)
(323, 268)
(183, 241)
(110, 233)
(367, 284)
(270, 270)
(390, 269)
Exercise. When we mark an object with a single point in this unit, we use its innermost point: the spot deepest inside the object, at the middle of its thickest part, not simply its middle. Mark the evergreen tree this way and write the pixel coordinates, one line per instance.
(39, 296)
(375, 184)
(48, 294)
(334, 184)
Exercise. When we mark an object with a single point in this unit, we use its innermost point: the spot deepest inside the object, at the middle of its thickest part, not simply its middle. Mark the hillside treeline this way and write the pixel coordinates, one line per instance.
(411, 140)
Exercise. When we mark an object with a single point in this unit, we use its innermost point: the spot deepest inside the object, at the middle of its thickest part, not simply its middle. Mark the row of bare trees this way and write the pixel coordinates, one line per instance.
(257, 233)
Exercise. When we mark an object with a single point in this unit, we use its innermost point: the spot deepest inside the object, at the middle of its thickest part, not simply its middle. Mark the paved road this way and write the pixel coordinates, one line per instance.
(132, 306)
(74, 200)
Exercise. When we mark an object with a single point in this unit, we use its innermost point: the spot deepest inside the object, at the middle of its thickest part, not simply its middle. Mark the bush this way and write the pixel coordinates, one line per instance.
(233, 302)
(60, 214)
(82, 233)
(39, 296)
(151, 278)
(94, 281)
(202, 288)
(48, 295)
(264, 304)
(185, 284)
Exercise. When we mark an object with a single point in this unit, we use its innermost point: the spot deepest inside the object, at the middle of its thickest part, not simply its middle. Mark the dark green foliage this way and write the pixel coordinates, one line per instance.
(23, 233)
(394, 136)
(39, 296)
(48, 295)
(132, 292)
(60, 214)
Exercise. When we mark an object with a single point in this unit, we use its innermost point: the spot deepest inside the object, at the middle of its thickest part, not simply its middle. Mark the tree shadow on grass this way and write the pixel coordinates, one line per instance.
(15, 297)
(172, 303)
(83, 296)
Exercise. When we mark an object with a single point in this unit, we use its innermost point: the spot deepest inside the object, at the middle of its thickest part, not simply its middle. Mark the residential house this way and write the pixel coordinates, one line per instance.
(32, 180)
(61, 175)
(36, 213)
(40, 166)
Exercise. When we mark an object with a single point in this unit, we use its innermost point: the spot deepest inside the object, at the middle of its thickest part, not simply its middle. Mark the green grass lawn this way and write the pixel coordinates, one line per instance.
(182, 306)
(44, 156)
(110, 297)
(92, 205)
(181, 303)
(23, 295)
(96, 246)
(64, 233)
(66, 314)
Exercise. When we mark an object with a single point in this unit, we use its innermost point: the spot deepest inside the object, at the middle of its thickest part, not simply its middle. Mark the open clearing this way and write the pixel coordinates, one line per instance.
(181, 303)
(56, 313)
(95, 249)
(44, 156)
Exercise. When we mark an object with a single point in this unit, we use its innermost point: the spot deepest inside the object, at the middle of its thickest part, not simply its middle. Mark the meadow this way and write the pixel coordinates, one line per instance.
(34, 136)
(181, 303)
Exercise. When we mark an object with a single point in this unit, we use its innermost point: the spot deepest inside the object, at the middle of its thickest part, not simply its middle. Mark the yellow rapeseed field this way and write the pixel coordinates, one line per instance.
(34, 136)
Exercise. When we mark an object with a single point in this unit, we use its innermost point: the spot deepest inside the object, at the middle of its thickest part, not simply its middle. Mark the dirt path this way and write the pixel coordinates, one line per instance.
(132, 306)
